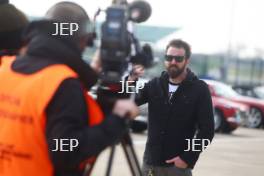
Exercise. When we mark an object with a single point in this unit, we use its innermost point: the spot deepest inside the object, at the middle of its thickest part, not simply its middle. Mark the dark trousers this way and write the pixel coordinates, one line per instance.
(165, 171)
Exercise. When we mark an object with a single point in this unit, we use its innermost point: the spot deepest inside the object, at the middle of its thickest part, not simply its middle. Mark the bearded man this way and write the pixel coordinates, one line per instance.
(180, 115)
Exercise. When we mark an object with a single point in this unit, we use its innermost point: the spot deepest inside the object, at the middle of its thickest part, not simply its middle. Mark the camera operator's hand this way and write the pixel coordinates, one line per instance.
(137, 71)
(125, 108)
(96, 62)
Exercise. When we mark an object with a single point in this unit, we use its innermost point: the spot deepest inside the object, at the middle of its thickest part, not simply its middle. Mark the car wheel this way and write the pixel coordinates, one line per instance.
(255, 118)
(220, 124)
(218, 120)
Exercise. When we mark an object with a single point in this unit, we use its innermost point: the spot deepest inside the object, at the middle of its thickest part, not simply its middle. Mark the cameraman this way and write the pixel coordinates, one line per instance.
(44, 100)
(180, 109)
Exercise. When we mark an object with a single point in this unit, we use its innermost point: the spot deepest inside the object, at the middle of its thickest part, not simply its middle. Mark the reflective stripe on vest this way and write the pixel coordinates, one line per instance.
(23, 100)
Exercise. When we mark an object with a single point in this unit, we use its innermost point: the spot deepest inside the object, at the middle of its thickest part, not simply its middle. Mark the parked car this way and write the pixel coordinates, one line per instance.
(255, 118)
(251, 91)
(228, 115)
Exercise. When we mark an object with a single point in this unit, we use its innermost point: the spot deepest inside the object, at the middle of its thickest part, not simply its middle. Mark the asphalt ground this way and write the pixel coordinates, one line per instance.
(238, 154)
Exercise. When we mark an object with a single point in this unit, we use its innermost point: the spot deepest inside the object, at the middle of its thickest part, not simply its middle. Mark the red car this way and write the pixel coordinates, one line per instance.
(227, 114)
(255, 117)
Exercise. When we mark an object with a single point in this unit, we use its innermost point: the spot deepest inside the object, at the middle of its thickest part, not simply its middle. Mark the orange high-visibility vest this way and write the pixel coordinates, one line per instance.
(7, 57)
(23, 100)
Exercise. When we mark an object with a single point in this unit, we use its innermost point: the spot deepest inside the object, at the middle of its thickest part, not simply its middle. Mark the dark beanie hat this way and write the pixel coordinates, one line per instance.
(4, 1)
(12, 24)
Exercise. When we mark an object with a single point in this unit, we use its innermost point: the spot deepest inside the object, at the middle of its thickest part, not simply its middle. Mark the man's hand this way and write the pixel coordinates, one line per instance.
(126, 108)
(137, 71)
(178, 162)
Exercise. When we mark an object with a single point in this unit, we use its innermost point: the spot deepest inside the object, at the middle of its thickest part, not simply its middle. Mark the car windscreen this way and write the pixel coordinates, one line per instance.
(259, 91)
(225, 91)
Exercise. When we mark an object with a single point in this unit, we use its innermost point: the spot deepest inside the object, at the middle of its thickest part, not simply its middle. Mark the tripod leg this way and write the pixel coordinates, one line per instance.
(110, 160)
(131, 155)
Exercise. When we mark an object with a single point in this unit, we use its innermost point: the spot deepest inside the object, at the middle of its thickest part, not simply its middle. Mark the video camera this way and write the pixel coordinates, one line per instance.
(116, 52)
(119, 46)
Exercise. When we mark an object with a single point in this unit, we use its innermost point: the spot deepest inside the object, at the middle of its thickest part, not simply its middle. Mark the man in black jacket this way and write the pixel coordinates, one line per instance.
(66, 113)
(180, 115)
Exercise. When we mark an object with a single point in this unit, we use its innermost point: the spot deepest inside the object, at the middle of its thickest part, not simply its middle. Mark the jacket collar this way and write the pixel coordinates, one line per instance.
(164, 80)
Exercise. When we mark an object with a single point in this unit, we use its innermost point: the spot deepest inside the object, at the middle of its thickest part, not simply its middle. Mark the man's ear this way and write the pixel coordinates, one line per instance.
(187, 61)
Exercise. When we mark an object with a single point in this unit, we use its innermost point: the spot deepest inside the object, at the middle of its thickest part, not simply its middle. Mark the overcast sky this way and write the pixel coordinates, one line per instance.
(209, 25)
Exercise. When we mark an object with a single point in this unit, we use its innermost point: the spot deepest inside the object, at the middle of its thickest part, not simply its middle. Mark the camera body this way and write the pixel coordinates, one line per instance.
(115, 43)
(119, 46)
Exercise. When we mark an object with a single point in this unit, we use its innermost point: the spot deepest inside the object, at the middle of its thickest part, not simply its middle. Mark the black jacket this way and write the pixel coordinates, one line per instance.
(67, 112)
(188, 114)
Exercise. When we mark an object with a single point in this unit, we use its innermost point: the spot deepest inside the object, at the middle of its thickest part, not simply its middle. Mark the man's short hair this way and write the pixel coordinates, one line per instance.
(70, 12)
(178, 43)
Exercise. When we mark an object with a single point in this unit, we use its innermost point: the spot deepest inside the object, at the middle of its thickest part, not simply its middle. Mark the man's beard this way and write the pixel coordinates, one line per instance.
(175, 71)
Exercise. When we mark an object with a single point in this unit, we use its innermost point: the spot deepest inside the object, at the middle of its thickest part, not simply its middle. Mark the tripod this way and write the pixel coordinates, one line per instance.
(106, 97)
(127, 145)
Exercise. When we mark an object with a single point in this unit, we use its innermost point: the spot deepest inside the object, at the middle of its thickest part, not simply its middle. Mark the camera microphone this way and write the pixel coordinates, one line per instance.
(139, 11)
